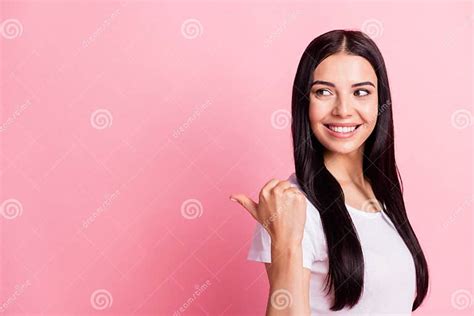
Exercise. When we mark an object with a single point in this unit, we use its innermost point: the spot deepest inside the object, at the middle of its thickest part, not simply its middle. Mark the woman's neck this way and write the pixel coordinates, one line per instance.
(346, 168)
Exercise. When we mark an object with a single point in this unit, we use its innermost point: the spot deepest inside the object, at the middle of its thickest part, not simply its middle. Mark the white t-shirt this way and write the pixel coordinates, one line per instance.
(389, 276)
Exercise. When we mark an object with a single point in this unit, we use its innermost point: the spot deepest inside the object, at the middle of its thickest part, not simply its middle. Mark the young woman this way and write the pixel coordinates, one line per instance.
(335, 236)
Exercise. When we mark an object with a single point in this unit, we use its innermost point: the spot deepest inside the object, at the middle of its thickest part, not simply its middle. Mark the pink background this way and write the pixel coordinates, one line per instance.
(126, 210)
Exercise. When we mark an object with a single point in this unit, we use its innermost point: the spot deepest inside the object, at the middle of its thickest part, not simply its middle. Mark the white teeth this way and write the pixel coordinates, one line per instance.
(340, 129)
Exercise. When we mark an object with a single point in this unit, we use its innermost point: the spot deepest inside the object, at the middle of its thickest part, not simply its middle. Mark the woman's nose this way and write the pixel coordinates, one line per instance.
(342, 107)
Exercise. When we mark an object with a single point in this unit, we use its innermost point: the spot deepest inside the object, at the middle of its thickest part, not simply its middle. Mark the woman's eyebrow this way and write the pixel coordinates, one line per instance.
(327, 83)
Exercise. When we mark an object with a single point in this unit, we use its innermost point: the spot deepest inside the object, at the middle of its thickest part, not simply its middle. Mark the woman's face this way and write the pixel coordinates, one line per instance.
(344, 93)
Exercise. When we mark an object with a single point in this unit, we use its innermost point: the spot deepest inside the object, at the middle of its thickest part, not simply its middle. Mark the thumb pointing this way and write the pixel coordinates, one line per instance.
(247, 203)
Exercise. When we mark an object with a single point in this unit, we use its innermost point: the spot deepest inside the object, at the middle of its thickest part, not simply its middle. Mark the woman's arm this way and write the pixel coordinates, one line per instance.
(289, 282)
(282, 212)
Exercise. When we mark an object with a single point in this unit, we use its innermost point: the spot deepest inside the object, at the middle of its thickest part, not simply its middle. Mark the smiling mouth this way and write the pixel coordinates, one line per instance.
(342, 129)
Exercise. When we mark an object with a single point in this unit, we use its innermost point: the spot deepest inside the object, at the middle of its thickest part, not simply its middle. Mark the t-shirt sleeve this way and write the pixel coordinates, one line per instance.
(314, 244)
(260, 247)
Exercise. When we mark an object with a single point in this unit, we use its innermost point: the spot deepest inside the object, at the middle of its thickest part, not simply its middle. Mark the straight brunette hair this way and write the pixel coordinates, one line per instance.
(346, 262)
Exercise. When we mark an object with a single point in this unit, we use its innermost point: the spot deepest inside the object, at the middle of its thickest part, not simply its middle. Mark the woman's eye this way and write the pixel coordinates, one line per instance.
(321, 91)
(365, 92)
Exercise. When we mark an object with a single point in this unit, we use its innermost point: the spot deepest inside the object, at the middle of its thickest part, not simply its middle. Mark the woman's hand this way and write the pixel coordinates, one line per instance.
(281, 210)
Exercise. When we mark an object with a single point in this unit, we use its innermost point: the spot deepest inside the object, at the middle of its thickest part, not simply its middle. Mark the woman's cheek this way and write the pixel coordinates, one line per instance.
(314, 113)
(315, 117)
(369, 112)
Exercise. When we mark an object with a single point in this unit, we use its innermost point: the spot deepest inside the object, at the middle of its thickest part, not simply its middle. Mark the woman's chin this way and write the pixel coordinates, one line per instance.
(342, 148)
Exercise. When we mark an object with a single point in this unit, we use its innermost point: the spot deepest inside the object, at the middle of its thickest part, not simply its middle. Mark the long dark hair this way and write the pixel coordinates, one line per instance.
(346, 262)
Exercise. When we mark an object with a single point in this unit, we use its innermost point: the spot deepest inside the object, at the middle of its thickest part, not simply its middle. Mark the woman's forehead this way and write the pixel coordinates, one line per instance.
(344, 69)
